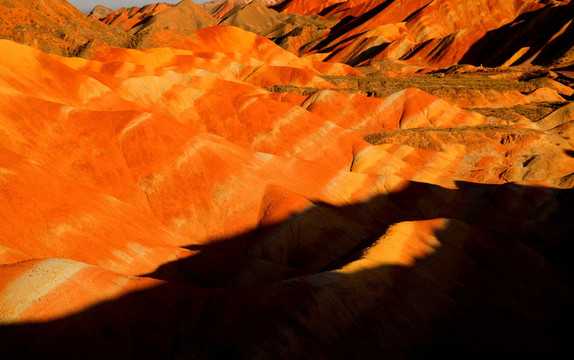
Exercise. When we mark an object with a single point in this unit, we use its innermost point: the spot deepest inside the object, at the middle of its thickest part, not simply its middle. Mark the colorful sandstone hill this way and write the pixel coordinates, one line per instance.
(188, 188)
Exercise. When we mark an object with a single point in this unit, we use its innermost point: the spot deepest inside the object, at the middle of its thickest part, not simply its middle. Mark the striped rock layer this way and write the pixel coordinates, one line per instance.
(428, 34)
(440, 33)
(163, 203)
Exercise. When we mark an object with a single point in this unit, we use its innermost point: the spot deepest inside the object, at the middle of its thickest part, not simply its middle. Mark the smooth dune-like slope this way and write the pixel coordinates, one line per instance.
(145, 163)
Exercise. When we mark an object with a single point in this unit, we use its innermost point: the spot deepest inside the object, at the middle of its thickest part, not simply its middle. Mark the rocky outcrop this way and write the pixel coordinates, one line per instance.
(127, 18)
(441, 33)
(171, 26)
(432, 35)
(56, 27)
(99, 12)
(220, 7)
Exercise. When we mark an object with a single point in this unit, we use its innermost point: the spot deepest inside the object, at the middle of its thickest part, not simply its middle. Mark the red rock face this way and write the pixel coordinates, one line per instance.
(126, 19)
(225, 198)
(306, 7)
(442, 33)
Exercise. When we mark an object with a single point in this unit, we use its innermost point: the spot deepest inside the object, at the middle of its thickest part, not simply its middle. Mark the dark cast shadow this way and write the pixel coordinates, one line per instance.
(498, 285)
(533, 30)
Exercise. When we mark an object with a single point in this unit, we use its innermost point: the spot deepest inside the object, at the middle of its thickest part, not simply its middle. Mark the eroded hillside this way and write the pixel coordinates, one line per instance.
(202, 192)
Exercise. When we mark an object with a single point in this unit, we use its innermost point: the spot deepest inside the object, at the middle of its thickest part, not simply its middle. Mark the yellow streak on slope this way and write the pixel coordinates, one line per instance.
(34, 284)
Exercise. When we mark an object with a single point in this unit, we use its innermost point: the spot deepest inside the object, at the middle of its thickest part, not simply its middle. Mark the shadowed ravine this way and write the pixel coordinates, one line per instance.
(477, 286)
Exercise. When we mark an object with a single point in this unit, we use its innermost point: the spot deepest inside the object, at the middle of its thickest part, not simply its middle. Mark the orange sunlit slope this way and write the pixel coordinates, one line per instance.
(222, 197)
